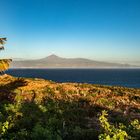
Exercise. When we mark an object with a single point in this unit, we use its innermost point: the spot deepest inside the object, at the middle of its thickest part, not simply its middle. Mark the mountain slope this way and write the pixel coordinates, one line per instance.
(54, 61)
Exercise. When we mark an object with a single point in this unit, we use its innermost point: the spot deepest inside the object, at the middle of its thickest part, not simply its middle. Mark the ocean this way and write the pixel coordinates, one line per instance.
(117, 77)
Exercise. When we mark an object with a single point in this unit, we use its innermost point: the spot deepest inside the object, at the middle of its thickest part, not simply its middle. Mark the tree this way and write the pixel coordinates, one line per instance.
(4, 63)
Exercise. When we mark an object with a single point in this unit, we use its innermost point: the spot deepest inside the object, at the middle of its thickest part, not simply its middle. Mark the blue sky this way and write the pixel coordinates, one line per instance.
(105, 30)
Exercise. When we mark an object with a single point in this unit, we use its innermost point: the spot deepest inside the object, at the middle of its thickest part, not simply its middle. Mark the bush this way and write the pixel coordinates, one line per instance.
(120, 131)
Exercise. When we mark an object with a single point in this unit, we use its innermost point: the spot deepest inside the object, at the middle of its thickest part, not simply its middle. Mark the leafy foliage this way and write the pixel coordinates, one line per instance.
(4, 63)
(118, 132)
(111, 132)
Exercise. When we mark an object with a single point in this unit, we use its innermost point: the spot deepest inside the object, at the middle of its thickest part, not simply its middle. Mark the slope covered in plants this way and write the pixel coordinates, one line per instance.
(41, 109)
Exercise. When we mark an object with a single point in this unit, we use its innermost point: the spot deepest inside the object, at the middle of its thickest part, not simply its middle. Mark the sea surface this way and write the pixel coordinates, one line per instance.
(117, 77)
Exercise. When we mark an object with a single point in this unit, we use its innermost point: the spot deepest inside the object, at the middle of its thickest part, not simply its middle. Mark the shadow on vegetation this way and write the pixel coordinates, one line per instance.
(6, 91)
(51, 118)
(57, 119)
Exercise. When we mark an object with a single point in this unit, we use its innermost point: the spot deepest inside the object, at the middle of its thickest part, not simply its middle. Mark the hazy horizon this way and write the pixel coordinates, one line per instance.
(97, 30)
(120, 62)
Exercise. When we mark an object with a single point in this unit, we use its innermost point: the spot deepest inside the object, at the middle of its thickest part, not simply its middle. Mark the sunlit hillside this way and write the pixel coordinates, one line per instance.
(41, 109)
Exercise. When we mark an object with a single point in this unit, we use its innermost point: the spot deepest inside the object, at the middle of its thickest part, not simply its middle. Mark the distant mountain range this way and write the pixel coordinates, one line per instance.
(54, 61)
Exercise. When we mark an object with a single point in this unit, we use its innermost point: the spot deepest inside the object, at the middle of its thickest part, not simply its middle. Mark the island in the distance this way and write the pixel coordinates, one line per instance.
(54, 61)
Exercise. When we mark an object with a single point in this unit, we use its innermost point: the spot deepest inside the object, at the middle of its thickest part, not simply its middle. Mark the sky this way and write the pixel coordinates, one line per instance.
(104, 30)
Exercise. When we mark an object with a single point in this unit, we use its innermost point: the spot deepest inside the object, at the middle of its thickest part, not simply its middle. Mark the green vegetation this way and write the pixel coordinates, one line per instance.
(37, 109)
(119, 132)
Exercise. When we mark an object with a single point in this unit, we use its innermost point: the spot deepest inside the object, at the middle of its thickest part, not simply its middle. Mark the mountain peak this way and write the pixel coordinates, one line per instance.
(53, 56)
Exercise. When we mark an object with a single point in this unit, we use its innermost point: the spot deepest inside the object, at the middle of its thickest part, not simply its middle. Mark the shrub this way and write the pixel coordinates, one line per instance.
(120, 131)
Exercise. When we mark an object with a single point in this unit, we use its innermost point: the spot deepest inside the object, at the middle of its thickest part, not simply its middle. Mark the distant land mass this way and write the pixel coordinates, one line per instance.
(54, 61)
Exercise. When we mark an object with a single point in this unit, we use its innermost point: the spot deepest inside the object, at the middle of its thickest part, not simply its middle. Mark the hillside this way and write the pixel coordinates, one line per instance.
(54, 61)
(41, 109)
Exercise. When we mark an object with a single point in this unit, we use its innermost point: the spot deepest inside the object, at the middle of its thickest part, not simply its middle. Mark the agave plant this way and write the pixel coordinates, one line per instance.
(4, 63)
